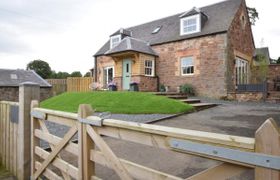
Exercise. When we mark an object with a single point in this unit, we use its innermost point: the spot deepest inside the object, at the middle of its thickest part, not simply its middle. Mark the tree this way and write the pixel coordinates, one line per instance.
(260, 70)
(76, 74)
(62, 75)
(253, 15)
(88, 74)
(40, 67)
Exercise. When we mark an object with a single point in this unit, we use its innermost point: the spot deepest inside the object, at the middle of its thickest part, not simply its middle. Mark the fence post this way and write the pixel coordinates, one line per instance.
(28, 91)
(85, 143)
(267, 142)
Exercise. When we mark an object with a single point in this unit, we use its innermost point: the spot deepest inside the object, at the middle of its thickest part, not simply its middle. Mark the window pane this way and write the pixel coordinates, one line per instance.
(190, 25)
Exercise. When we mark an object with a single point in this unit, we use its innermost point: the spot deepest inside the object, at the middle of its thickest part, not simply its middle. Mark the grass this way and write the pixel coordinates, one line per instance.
(117, 102)
(4, 173)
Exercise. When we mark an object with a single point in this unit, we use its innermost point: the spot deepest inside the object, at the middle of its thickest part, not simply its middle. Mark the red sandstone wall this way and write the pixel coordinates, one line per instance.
(209, 64)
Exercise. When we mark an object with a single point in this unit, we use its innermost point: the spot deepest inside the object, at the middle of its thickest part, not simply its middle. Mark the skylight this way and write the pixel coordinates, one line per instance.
(13, 76)
(156, 30)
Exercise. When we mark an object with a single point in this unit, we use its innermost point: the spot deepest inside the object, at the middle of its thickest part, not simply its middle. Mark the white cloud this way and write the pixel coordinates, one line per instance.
(66, 33)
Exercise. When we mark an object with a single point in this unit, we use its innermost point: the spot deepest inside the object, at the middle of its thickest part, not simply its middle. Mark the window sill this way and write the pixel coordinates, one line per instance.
(149, 75)
(187, 74)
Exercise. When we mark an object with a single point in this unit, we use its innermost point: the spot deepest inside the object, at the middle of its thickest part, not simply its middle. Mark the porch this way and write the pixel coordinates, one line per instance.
(131, 61)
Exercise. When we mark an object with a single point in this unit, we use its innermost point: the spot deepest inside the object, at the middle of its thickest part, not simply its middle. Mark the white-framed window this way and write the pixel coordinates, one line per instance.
(241, 71)
(149, 67)
(108, 75)
(190, 24)
(115, 40)
(187, 66)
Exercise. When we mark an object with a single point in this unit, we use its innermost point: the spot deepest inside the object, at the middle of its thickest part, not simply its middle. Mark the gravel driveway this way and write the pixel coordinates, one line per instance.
(241, 119)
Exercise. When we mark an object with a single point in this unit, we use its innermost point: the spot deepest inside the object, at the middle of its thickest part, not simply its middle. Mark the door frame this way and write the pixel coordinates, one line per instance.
(124, 73)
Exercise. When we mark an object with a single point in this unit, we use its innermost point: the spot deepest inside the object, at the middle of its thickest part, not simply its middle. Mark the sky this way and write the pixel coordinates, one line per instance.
(66, 33)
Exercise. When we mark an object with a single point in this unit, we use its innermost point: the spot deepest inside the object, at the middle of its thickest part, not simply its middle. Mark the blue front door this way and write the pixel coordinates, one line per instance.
(126, 73)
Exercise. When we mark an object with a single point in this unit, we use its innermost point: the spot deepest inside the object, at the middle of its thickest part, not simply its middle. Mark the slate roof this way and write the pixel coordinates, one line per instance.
(132, 44)
(220, 16)
(12, 78)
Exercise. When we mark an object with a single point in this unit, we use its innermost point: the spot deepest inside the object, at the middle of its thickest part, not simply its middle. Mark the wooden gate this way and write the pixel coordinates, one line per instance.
(237, 154)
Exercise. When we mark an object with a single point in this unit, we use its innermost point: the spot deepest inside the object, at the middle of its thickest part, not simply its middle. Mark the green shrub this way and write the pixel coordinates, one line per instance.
(162, 88)
(187, 88)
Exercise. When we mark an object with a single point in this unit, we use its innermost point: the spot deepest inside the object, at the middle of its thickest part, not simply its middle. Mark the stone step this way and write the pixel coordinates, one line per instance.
(168, 93)
(181, 96)
(190, 101)
(201, 106)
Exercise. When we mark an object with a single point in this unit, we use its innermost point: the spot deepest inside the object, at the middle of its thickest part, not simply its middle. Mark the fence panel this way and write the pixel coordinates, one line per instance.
(252, 87)
(79, 84)
(9, 112)
(58, 86)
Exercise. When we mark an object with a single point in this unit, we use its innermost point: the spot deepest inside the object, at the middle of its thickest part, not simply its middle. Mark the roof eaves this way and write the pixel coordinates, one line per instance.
(43, 80)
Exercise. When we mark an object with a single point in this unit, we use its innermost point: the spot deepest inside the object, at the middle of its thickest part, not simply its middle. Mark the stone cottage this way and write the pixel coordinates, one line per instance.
(210, 48)
(11, 79)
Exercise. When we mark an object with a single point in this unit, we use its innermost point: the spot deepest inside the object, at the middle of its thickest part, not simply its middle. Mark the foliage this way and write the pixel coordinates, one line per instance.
(117, 102)
(253, 15)
(162, 88)
(261, 69)
(62, 75)
(260, 57)
(76, 74)
(40, 67)
(87, 74)
(278, 61)
(59, 75)
(187, 88)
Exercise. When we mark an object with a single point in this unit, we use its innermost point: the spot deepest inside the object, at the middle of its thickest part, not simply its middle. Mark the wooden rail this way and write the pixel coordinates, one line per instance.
(91, 135)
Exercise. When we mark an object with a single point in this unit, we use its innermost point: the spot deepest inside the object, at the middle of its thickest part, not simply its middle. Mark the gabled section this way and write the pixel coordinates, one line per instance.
(192, 21)
(116, 38)
(132, 44)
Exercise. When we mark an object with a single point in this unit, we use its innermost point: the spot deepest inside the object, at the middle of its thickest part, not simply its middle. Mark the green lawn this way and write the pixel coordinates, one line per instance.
(117, 102)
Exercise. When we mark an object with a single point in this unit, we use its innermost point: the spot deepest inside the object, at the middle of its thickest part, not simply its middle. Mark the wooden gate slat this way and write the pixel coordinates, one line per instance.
(110, 156)
(45, 129)
(54, 153)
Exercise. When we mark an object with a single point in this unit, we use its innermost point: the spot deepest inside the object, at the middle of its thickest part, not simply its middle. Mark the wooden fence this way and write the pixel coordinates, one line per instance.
(58, 86)
(71, 84)
(15, 130)
(79, 84)
(237, 154)
(29, 158)
(8, 135)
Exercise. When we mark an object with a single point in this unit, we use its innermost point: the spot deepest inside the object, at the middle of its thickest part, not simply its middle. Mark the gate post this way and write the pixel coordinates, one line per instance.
(85, 143)
(267, 142)
(28, 91)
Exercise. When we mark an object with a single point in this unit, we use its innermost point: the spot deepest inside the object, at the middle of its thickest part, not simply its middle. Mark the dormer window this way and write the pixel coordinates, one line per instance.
(115, 40)
(190, 24)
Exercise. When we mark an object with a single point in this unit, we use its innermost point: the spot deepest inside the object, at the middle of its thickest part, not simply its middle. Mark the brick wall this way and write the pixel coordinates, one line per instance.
(273, 72)
(209, 64)
(240, 43)
(12, 94)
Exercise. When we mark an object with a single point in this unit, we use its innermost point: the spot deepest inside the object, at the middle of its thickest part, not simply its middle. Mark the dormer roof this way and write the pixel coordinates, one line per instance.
(132, 44)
